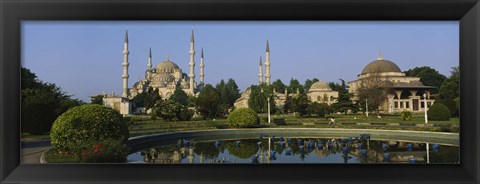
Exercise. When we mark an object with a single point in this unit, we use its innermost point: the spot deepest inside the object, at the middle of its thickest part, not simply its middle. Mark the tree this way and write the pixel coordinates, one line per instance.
(41, 103)
(279, 86)
(233, 92)
(344, 103)
(428, 76)
(140, 99)
(257, 100)
(168, 109)
(300, 104)
(259, 96)
(308, 83)
(97, 100)
(222, 91)
(153, 96)
(450, 91)
(373, 90)
(228, 92)
(208, 102)
(319, 109)
(179, 96)
(294, 85)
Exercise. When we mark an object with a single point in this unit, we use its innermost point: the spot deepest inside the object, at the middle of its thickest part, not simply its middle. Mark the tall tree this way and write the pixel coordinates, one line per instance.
(228, 92)
(344, 102)
(41, 103)
(450, 92)
(179, 96)
(279, 86)
(428, 76)
(300, 104)
(373, 90)
(208, 102)
(258, 99)
(308, 83)
(294, 85)
(233, 92)
(153, 96)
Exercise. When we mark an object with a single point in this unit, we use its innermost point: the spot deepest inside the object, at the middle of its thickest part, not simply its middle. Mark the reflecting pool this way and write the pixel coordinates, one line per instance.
(279, 150)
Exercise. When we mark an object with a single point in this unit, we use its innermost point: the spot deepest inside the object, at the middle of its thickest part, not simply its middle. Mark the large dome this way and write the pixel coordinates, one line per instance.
(320, 86)
(379, 66)
(167, 66)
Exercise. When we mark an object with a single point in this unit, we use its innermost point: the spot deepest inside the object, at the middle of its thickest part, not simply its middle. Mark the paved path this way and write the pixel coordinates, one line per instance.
(32, 150)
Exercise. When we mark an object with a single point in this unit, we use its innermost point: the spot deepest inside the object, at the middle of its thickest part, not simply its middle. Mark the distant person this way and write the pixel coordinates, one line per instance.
(332, 121)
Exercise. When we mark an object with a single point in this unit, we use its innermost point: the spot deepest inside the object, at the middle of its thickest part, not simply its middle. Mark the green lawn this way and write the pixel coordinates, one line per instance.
(360, 118)
(159, 126)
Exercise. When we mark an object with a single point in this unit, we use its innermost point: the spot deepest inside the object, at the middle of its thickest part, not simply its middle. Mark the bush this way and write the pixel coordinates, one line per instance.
(319, 109)
(406, 115)
(243, 117)
(82, 128)
(438, 112)
(105, 151)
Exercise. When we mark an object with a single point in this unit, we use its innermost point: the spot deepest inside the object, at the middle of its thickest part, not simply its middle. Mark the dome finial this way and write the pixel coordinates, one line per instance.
(168, 57)
(380, 55)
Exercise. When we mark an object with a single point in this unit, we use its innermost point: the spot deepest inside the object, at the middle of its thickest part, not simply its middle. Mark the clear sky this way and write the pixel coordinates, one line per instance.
(85, 58)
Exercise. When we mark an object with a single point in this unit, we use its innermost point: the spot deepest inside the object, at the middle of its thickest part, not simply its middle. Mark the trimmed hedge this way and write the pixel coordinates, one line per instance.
(88, 127)
(242, 118)
(438, 112)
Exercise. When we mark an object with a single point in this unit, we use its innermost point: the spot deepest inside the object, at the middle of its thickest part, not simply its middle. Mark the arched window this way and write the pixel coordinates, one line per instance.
(318, 98)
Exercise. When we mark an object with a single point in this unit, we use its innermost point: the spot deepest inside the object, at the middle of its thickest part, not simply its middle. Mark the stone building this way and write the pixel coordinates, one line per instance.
(165, 77)
(322, 93)
(404, 92)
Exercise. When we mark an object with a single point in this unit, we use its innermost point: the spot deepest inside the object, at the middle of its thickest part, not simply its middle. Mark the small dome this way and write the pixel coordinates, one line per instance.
(163, 77)
(167, 66)
(320, 86)
(379, 66)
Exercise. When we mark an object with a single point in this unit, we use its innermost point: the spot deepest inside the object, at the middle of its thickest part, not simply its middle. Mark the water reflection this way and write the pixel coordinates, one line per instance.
(298, 150)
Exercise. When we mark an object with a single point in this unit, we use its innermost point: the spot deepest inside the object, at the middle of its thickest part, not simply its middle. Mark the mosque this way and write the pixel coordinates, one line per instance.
(318, 92)
(405, 92)
(165, 77)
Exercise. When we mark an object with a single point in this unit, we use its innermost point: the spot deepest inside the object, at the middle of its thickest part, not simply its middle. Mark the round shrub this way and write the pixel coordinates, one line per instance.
(243, 117)
(406, 115)
(438, 112)
(83, 127)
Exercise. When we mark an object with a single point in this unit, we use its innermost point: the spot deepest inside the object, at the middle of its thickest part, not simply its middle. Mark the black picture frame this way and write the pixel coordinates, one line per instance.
(13, 12)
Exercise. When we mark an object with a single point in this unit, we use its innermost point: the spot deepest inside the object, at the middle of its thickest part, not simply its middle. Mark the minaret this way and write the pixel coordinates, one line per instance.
(125, 66)
(192, 64)
(260, 69)
(149, 65)
(202, 65)
(267, 64)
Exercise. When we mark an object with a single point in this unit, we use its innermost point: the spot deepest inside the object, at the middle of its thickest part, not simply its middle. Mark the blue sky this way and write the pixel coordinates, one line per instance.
(84, 58)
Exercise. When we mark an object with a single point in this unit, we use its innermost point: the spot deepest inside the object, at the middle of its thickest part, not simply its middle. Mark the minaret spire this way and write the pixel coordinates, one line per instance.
(125, 66)
(202, 66)
(192, 64)
(260, 70)
(192, 38)
(267, 64)
(268, 48)
(126, 36)
(149, 65)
